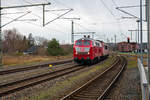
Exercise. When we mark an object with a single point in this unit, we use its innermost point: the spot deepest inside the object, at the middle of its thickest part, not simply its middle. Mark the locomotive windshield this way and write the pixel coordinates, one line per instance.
(86, 42)
(79, 43)
(83, 43)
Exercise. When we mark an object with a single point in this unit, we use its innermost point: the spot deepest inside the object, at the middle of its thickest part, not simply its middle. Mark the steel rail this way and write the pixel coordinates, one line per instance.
(105, 93)
(83, 88)
(25, 68)
(12, 87)
(15, 86)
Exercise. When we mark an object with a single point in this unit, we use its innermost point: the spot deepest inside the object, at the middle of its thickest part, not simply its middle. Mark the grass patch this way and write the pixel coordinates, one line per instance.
(145, 62)
(59, 87)
(30, 59)
(132, 54)
(132, 62)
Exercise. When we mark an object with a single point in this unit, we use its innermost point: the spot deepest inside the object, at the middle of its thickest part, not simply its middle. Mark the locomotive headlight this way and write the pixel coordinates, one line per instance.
(76, 52)
(88, 53)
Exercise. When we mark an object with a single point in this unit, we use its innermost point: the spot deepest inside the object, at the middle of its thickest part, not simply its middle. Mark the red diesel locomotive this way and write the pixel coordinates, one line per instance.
(87, 50)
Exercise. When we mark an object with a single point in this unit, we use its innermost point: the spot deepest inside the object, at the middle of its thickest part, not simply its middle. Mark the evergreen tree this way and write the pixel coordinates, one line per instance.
(54, 48)
(30, 40)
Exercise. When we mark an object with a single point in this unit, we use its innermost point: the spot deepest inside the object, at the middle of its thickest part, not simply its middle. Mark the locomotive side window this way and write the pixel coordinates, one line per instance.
(97, 44)
(106, 47)
(100, 44)
(93, 43)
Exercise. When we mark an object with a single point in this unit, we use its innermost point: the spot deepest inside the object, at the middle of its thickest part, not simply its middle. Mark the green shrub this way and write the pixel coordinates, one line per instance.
(54, 48)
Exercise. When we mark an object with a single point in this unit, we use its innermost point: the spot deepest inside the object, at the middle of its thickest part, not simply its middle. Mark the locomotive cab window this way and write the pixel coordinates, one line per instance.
(106, 47)
(86, 42)
(79, 43)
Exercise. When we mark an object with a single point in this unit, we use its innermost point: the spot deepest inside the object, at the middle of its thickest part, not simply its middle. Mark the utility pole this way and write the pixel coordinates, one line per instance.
(108, 40)
(72, 27)
(136, 31)
(131, 33)
(111, 40)
(115, 43)
(72, 32)
(115, 39)
(43, 15)
(148, 35)
(138, 22)
(0, 37)
(141, 31)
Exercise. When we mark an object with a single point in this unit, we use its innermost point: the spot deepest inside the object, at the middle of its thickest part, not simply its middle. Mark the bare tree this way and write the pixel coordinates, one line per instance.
(13, 41)
(41, 40)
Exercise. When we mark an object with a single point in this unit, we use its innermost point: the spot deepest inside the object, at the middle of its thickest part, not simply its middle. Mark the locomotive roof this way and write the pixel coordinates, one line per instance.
(87, 39)
(90, 39)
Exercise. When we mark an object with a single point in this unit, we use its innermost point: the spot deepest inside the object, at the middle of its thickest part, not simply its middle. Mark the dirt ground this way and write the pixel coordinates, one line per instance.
(128, 85)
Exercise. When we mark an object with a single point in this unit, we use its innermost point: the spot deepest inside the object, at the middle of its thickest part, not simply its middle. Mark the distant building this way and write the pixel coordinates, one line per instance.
(127, 46)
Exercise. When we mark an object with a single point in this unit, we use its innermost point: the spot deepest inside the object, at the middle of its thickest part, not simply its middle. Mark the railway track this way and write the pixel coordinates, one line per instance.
(12, 87)
(25, 68)
(98, 87)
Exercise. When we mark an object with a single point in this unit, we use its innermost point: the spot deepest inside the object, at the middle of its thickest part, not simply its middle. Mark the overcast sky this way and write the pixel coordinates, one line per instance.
(100, 16)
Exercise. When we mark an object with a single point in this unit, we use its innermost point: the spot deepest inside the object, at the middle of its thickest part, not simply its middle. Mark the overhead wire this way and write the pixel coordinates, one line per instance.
(82, 19)
(39, 25)
(69, 8)
(82, 26)
(40, 8)
(107, 8)
(114, 3)
(50, 12)
(117, 21)
(33, 13)
(61, 4)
